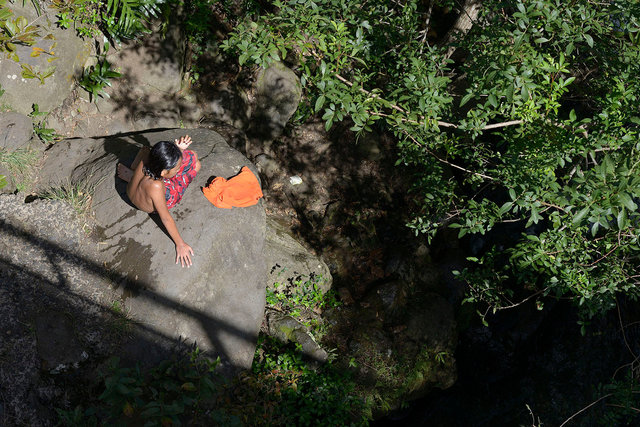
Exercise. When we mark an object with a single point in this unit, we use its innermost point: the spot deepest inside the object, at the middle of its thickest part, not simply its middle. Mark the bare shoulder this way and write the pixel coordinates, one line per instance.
(155, 186)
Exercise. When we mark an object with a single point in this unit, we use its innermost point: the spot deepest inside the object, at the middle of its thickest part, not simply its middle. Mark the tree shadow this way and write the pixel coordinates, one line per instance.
(48, 276)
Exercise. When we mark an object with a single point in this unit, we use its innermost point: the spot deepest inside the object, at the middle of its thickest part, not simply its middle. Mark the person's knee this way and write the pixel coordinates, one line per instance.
(198, 165)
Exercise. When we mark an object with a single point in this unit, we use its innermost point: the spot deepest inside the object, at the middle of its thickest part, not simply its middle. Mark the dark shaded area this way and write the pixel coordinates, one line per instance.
(141, 343)
(537, 359)
(146, 348)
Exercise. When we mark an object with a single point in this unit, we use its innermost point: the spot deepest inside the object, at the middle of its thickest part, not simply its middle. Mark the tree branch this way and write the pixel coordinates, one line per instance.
(585, 408)
(445, 161)
(523, 301)
(402, 110)
(463, 24)
(426, 24)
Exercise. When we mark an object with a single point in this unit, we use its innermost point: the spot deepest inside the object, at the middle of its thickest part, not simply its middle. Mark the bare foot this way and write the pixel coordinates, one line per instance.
(124, 173)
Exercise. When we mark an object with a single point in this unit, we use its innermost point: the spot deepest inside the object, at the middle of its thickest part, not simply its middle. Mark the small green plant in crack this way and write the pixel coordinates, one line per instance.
(97, 77)
(78, 194)
(121, 323)
(29, 72)
(21, 164)
(46, 135)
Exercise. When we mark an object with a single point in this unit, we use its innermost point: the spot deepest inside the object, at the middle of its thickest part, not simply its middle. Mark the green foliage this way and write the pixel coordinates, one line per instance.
(172, 390)
(301, 294)
(97, 77)
(304, 300)
(46, 135)
(536, 127)
(15, 31)
(29, 72)
(621, 399)
(129, 18)
(85, 15)
(287, 392)
(21, 165)
(3, 181)
(78, 194)
(119, 19)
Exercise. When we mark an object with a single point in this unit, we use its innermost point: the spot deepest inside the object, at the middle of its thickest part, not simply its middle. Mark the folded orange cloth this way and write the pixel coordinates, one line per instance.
(240, 191)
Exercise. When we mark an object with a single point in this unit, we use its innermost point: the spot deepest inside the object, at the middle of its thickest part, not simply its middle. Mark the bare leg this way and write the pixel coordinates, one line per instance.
(144, 151)
(124, 173)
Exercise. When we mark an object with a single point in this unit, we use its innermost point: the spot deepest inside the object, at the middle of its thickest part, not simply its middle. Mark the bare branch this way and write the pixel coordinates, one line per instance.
(463, 24)
(426, 24)
(523, 301)
(445, 161)
(585, 408)
(402, 110)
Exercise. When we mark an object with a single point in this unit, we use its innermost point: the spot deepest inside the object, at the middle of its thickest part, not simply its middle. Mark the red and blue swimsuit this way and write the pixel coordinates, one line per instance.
(174, 187)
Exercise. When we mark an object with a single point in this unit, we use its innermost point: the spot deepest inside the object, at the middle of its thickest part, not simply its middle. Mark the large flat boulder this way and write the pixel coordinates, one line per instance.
(218, 303)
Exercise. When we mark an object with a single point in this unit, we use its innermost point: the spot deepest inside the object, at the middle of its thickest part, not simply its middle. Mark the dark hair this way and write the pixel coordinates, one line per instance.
(164, 155)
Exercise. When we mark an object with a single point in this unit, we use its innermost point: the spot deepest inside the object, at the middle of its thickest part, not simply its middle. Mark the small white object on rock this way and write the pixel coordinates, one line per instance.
(295, 180)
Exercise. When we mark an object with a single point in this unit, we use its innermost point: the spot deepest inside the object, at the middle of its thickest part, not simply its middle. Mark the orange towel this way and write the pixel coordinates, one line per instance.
(240, 191)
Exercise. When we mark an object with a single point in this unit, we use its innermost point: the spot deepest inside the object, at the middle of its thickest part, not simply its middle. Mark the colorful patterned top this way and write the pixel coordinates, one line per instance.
(175, 187)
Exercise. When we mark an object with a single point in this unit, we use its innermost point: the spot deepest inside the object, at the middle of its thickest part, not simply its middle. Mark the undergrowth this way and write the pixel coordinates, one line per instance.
(304, 300)
(174, 390)
(20, 164)
(282, 389)
(78, 194)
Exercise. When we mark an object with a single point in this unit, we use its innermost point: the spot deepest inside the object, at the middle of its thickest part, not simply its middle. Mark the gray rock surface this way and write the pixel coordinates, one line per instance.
(278, 93)
(15, 131)
(70, 51)
(229, 105)
(54, 300)
(218, 302)
(286, 328)
(155, 63)
(289, 261)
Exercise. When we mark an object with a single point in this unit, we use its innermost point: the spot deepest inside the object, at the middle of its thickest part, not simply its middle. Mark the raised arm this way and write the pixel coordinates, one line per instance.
(183, 251)
(183, 143)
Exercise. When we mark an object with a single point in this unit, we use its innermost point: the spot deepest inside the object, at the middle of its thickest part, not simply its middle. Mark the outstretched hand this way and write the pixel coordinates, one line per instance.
(184, 142)
(184, 254)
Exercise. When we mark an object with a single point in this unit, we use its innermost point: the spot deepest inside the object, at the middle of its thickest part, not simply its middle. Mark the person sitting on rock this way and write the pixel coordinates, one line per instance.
(157, 180)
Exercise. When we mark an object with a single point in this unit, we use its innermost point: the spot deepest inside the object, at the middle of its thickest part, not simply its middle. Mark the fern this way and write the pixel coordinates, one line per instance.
(126, 18)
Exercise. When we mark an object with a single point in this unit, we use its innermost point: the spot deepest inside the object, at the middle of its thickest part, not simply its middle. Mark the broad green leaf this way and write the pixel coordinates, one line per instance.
(589, 40)
(580, 215)
(622, 219)
(466, 99)
(627, 202)
(505, 208)
(493, 101)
